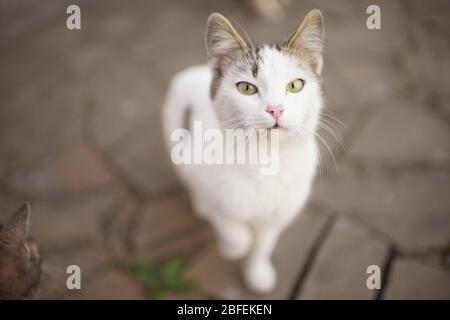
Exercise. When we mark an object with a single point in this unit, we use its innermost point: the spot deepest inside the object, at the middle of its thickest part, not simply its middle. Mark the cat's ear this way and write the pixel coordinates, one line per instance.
(222, 41)
(307, 41)
(16, 229)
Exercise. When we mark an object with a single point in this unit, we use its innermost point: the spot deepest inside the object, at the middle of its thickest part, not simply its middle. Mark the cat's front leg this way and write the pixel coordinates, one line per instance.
(259, 272)
(235, 237)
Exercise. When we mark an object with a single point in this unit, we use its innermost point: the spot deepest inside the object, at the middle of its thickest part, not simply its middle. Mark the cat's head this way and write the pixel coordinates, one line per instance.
(20, 263)
(267, 86)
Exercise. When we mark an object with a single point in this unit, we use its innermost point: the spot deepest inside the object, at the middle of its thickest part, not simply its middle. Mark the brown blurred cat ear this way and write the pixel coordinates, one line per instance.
(307, 41)
(16, 229)
(222, 40)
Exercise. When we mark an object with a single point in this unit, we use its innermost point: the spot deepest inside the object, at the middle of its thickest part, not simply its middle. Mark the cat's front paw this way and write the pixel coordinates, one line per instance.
(261, 277)
(237, 244)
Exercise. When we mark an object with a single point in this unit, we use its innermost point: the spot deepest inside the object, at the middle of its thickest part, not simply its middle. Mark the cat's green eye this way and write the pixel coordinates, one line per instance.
(246, 88)
(295, 86)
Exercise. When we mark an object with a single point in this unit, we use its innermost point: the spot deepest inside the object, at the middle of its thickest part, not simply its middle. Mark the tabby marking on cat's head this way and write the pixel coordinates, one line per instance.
(267, 86)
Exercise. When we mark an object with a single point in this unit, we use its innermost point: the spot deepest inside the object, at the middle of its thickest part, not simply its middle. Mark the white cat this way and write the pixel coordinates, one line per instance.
(247, 86)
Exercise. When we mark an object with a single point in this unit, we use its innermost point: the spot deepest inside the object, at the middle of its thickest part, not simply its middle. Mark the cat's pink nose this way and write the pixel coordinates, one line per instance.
(275, 111)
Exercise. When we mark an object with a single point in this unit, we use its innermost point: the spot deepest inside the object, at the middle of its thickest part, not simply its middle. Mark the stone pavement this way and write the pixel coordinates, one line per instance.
(80, 139)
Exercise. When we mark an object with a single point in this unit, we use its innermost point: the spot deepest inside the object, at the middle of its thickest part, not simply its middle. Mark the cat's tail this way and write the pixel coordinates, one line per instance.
(175, 110)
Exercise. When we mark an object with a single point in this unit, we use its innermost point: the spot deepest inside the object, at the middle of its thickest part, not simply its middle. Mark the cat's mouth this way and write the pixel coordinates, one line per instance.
(275, 126)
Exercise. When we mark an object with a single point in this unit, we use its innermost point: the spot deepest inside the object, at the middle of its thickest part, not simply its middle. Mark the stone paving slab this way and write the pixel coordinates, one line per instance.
(365, 59)
(416, 280)
(104, 287)
(339, 272)
(169, 227)
(410, 206)
(125, 96)
(26, 137)
(57, 226)
(405, 136)
(73, 169)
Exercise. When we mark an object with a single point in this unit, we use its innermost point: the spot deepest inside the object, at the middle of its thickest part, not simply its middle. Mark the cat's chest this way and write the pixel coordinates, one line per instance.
(245, 194)
(267, 196)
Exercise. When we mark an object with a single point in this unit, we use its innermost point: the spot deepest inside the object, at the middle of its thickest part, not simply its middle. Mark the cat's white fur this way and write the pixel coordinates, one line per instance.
(248, 210)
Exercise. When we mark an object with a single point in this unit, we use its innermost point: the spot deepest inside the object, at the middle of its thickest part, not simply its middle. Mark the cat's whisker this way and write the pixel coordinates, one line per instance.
(321, 174)
(333, 132)
(320, 163)
(336, 135)
(316, 134)
(329, 150)
(326, 121)
(240, 120)
(323, 113)
(331, 124)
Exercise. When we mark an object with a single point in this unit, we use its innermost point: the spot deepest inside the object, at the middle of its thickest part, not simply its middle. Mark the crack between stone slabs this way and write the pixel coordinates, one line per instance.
(187, 255)
(130, 134)
(10, 165)
(430, 250)
(73, 245)
(311, 258)
(109, 215)
(392, 251)
(436, 109)
(441, 254)
(107, 223)
(354, 218)
(439, 251)
(118, 174)
(418, 254)
(136, 216)
(107, 161)
(176, 235)
(408, 9)
(58, 200)
(386, 272)
(54, 199)
(392, 165)
(170, 191)
(390, 258)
